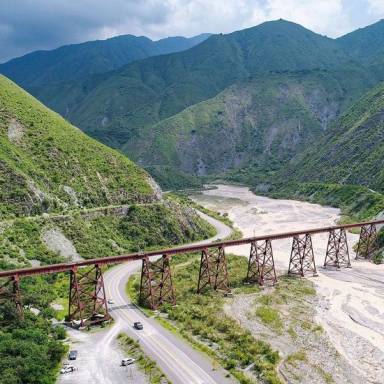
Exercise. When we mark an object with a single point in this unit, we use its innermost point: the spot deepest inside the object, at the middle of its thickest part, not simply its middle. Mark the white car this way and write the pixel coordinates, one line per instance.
(67, 369)
(110, 301)
(127, 361)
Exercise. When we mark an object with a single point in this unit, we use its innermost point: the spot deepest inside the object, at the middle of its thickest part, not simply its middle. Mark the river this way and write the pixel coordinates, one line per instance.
(351, 301)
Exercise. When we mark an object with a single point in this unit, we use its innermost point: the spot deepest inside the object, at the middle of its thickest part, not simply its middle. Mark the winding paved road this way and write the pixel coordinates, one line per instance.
(99, 357)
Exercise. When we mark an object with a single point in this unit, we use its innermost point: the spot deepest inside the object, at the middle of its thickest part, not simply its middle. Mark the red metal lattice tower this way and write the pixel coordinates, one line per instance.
(156, 287)
(213, 270)
(302, 259)
(261, 265)
(10, 291)
(87, 298)
(367, 242)
(337, 250)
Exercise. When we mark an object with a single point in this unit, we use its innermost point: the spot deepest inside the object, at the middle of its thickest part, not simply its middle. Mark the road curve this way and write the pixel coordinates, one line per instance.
(177, 359)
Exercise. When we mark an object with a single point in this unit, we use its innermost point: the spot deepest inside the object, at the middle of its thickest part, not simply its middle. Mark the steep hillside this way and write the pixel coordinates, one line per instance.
(115, 108)
(42, 68)
(48, 165)
(353, 150)
(262, 123)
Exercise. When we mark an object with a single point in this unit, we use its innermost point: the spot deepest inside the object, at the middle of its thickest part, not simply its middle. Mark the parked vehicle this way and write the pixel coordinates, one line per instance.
(137, 325)
(67, 369)
(110, 301)
(72, 355)
(127, 361)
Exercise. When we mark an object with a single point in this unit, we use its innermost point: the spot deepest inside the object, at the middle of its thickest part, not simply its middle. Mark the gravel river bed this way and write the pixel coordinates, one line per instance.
(349, 303)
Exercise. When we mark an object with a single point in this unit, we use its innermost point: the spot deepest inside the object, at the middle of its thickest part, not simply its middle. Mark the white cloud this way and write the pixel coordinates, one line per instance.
(325, 16)
(45, 24)
(376, 7)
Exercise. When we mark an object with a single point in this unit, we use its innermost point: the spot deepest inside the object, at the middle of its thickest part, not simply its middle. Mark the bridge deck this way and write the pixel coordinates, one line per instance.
(174, 251)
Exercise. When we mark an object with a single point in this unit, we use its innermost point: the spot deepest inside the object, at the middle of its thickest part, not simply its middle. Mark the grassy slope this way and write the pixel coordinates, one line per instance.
(52, 154)
(343, 169)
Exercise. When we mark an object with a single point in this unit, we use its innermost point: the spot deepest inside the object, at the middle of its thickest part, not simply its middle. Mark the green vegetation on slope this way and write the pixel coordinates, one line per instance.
(201, 319)
(48, 165)
(364, 44)
(140, 227)
(352, 152)
(356, 202)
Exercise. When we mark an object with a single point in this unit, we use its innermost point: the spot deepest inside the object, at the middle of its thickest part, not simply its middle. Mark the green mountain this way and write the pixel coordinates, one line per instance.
(116, 108)
(76, 61)
(252, 98)
(352, 152)
(262, 122)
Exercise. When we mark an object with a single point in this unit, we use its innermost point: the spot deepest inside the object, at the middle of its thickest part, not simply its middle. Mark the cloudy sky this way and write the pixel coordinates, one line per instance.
(27, 25)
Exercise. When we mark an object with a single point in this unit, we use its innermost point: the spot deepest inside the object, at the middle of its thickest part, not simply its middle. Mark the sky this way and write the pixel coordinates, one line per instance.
(28, 25)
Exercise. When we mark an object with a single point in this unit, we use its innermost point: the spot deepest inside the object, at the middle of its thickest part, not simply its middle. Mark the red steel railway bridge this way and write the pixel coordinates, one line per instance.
(88, 301)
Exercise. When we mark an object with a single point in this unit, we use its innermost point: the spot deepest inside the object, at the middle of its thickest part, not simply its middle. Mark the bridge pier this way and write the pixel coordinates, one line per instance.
(337, 250)
(261, 265)
(302, 259)
(10, 291)
(87, 298)
(213, 270)
(156, 287)
(367, 242)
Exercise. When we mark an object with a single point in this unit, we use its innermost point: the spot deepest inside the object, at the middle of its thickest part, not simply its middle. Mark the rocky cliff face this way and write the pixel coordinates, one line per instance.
(263, 121)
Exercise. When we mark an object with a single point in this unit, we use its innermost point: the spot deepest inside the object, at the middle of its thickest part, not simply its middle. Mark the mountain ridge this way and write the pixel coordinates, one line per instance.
(74, 61)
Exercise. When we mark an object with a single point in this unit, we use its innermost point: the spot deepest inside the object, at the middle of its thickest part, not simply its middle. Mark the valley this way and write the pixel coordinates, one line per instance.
(347, 306)
(151, 179)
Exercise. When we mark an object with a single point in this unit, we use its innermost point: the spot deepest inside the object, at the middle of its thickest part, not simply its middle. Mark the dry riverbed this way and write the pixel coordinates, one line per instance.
(328, 329)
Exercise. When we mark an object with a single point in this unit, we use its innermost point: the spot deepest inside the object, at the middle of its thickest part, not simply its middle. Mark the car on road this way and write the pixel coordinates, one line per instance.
(110, 301)
(72, 355)
(137, 325)
(127, 361)
(67, 369)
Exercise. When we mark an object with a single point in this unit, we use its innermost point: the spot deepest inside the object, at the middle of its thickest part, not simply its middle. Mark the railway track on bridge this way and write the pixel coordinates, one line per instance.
(88, 301)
